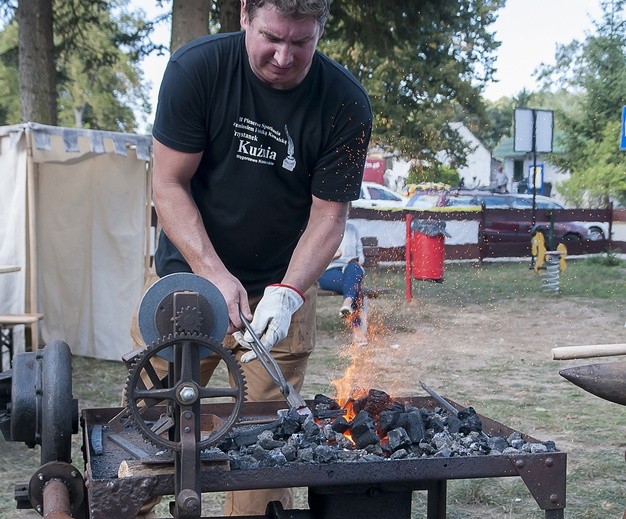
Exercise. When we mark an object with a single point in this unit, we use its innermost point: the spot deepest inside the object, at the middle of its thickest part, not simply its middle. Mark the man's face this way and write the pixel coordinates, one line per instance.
(280, 48)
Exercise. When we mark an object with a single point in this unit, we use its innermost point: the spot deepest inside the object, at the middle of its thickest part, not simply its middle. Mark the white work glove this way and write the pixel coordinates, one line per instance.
(272, 318)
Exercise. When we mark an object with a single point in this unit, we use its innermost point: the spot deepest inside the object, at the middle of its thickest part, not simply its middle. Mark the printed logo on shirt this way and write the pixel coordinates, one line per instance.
(290, 162)
(261, 143)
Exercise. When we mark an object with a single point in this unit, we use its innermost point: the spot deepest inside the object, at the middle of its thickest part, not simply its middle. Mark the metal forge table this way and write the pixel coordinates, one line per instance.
(364, 490)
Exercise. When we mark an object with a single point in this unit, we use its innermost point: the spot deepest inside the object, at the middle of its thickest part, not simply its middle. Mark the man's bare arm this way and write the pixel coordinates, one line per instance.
(181, 220)
(318, 243)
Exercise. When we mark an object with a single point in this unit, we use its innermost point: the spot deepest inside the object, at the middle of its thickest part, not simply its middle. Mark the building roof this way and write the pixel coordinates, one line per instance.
(504, 149)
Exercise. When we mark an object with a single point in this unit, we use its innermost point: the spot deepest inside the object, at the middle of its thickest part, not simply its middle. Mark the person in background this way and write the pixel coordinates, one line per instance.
(260, 143)
(502, 181)
(345, 275)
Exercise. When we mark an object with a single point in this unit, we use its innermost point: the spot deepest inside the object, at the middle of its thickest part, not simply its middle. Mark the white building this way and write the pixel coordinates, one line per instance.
(518, 166)
(479, 171)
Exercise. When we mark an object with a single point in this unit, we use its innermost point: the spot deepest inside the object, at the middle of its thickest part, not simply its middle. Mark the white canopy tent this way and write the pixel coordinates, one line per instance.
(75, 217)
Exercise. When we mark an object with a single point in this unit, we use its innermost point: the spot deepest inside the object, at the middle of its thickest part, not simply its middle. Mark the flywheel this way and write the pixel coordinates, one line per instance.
(43, 411)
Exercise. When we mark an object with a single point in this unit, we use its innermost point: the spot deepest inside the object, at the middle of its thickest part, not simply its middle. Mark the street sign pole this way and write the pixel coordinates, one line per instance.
(622, 144)
(533, 131)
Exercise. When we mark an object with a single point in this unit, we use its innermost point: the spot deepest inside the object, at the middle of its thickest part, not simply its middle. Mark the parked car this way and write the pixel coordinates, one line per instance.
(503, 229)
(377, 196)
(508, 230)
(596, 230)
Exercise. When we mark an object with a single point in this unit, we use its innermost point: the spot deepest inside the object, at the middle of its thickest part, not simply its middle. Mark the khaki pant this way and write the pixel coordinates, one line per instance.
(291, 354)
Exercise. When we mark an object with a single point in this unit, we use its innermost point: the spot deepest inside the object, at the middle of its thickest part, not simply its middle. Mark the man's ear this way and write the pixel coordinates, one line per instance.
(243, 17)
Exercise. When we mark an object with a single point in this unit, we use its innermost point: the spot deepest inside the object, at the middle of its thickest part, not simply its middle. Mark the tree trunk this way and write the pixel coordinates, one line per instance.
(37, 70)
(229, 16)
(190, 20)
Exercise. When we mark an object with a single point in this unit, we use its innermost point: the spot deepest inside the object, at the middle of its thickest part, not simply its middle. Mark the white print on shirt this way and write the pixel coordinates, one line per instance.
(256, 142)
(290, 162)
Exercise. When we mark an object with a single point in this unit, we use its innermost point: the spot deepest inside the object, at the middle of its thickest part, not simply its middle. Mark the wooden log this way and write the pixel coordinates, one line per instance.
(608, 380)
(138, 469)
(588, 351)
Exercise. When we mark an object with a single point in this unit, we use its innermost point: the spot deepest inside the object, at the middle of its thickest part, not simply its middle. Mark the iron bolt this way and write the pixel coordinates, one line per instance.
(187, 415)
(74, 474)
(39, 509)
(187, 429)
(554, 498)
(549, 462)
(519, 464)
(188, 394)
(188, 500)
(40, 476)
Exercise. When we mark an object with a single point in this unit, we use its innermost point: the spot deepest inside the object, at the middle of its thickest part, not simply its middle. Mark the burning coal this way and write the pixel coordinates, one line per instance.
(370, 427)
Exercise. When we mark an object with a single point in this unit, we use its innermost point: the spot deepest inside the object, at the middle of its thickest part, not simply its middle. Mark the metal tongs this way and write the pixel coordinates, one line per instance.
(293, 398)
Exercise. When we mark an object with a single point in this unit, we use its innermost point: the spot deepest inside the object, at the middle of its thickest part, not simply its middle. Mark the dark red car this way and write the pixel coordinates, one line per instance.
(507, 229)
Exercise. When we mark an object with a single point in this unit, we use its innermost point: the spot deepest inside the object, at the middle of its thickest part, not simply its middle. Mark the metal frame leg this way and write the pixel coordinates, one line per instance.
(6, 346)
(436, 504)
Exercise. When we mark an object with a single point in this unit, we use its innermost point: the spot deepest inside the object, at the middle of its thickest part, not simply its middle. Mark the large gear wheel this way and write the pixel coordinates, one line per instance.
(225, 386)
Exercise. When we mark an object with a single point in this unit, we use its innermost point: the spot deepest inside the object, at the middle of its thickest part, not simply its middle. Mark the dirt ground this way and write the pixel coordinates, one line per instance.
(495, 357)
(445, 346)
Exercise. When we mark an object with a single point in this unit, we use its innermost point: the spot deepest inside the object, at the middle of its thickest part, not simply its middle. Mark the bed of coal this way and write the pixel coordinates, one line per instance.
(373, 427)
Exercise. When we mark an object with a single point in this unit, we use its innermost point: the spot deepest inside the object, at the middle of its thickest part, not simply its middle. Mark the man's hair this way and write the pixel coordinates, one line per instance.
(318, 9)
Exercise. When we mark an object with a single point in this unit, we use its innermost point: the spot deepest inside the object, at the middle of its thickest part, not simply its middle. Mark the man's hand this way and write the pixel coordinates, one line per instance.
(236, 299)
(272, 318)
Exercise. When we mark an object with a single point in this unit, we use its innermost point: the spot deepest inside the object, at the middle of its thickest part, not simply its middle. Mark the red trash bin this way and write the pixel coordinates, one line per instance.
(425, 250)
(427, 253)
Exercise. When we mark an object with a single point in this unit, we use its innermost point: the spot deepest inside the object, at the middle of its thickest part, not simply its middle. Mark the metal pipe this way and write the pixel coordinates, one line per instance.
(56, 500)
(444, 403)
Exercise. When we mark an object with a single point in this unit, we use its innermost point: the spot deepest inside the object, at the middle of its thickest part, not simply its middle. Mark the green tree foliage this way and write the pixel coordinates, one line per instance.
(420, 60)
(437, 173)
(100, 85)
(594, 73)
(601, 174)
(423, 62)
(9, 84)
(98, 45)
(494, 124)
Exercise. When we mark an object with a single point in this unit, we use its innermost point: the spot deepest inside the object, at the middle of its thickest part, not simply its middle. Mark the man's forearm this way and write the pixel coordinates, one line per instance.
(318, 244)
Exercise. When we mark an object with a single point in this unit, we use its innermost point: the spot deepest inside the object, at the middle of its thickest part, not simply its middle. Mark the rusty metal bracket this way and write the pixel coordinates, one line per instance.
(544, 475)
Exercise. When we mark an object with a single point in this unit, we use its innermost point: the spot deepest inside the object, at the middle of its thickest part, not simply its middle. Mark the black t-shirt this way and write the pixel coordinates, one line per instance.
(266, 152)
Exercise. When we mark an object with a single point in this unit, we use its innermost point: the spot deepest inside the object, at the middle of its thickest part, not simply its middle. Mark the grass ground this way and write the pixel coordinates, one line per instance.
(482, 338)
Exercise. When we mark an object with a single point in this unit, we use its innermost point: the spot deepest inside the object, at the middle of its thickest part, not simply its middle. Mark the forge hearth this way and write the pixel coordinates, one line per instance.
(390, 471)
(373, 427)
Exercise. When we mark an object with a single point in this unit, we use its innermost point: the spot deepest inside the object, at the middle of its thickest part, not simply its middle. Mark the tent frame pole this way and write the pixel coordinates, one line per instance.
(31, 262)
(151, 235)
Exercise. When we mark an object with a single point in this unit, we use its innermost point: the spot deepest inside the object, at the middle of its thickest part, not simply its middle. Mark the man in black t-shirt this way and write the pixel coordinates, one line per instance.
(259, 146)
